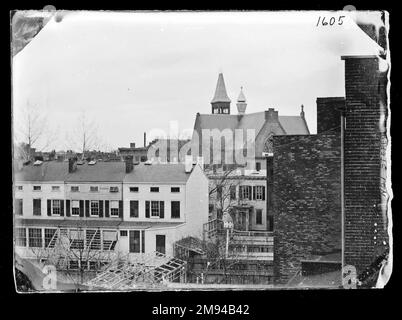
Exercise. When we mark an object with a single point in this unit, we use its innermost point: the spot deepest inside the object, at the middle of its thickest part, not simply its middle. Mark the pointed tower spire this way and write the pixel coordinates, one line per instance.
(241, 102)
(220, 102)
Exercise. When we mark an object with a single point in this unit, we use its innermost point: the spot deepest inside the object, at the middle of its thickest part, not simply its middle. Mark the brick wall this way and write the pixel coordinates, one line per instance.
(328, 116)
(364, 222)
(307, 201)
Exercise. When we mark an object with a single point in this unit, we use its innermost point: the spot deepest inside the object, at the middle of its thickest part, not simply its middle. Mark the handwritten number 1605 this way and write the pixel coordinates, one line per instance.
(323, 21)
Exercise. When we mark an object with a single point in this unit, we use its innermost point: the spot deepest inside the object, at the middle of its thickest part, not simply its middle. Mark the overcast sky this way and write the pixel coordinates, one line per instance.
(133, 72)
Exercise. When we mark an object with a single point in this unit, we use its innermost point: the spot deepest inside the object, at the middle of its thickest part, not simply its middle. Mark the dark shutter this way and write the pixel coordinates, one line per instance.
(263, 192)
(107, 208)
(120, 208)
(81, 208)
(142, 241)
(100, 208)
(161, 209)
(254, 193)
(87, 208)
(146, 209)
(67, 208)
(49, 207)
(249, 193)
(62, 208)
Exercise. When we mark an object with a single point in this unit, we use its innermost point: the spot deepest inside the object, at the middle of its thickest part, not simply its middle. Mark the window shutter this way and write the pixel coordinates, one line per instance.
(161, 209)
(67, 208)
(81, 208)
(254, 193)
(49, 207)
(107, 208)
(263, 192)
(62, 208)
(87, 208)
(100, 208)
(146, 209)
(120, 208)
(142, 241)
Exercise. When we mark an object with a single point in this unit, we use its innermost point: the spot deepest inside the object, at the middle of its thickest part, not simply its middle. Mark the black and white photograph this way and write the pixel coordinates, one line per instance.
(200, 150)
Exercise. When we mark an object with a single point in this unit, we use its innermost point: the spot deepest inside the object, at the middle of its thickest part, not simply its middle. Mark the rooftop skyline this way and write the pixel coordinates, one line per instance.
(132, 72)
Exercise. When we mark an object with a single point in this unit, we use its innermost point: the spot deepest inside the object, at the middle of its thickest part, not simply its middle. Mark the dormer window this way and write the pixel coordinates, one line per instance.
(75, 189)
(37, 188)
(154, 189)
(94, 188)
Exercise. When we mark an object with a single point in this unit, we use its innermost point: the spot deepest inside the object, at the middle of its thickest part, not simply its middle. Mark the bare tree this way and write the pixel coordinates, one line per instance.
(32, 131)
(85, 135)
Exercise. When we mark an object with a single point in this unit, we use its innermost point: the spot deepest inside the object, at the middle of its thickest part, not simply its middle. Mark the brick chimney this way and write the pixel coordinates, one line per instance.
(72, 165)
(271, 114)
(132, 145)
(129, 163)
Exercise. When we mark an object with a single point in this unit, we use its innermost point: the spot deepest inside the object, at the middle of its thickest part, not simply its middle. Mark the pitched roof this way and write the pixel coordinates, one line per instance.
(112, 171)
(294, 124)
(158, 173)
(291, 124)
(47, 171)
(220, 91)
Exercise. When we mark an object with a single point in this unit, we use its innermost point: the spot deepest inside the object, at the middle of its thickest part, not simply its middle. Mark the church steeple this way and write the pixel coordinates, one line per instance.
(220, 102)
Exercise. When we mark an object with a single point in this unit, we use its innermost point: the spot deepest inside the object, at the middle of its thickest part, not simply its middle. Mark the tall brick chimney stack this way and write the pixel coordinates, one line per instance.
(365, 237)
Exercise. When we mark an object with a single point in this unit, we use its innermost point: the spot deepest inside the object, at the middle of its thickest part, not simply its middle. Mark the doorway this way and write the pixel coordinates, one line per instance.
(161, 243)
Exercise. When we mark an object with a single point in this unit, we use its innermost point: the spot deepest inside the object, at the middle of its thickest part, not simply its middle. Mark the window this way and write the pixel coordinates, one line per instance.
(93, 265)
(77, 239)
(114, 189)
(73, 265)
(114, 208)
(75, 208)
(134, 209)
(134, 241)
(232, 192)
(154, 208)
(109, 240)
(75, 189)
(93, 239)
(175, 209)
(259, 193)
(174, 189)
(94, 208)
(123, 233)
(258, 166)
(245, 192)
(56, 205)
(133, 189)
(35, 237)
(20, 237)
(19, 188)
(49, 234)
(37, 188)
(258, 216)
(37, 207)
(93, 189)
(18, 207)
(210, 208)
(55, 188)
(154, 189)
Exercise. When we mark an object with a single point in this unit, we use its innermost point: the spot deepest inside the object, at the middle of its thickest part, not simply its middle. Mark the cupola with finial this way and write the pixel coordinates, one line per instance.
(302, 112)
(241, 102)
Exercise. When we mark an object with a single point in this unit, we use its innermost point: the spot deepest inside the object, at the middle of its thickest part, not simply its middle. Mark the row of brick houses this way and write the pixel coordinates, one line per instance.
(143, 208)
